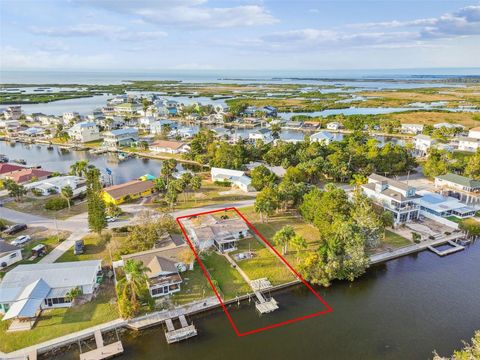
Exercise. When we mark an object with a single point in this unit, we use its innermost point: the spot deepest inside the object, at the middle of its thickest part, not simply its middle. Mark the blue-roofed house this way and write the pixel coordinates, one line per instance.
(120, 137)
(323, 137)
(27, 289)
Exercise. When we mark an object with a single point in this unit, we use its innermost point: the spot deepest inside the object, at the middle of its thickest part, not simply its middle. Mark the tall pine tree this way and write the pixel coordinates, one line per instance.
(96, 206)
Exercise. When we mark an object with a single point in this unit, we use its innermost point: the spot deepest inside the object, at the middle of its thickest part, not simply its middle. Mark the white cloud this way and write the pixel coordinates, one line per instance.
(14, 58)
(189, 13)
(99, 30)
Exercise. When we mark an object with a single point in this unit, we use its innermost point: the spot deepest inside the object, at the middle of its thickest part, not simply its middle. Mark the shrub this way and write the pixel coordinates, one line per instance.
(223, 183)
(56, 203)
(37, 192)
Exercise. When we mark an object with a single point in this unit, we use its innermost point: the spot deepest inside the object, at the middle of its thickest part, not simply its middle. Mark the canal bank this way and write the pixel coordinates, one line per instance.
(402, 309)
(411, 292)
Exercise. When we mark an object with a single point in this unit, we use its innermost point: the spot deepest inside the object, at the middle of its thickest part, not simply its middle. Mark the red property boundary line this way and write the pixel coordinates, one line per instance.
(328, 309)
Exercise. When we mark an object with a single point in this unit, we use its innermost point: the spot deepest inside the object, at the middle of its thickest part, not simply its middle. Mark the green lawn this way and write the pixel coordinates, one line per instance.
(454, 219)
(194, 287)
(265, 264)
(36, 206)
(59, 322)
(209, 194)
(230, 282)
(96, 248)
(395, 240)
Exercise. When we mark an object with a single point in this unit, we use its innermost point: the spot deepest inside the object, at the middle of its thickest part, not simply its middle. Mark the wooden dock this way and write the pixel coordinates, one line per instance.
(186, 331)
(263, 305)
(102, 351)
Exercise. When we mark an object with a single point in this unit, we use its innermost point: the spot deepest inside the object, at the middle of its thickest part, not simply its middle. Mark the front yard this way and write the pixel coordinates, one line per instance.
(59, 322)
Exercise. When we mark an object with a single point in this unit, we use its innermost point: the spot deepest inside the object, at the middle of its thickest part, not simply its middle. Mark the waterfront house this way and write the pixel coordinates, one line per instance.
(170, 147)
(261, 134)
(448, 126)
(6, 168)
(145, 122)
(422, 143)
(57, 183)
(465, 189)
(235, 177)
(310, 125)
(70, 116)
(474, 133)
(9, 125)
(25, 175)
(323, 137)
(411, 128)
(334, 125)
(206, 232)
(127, 109)
(120, 137)
(32, 132)
(164, 268)
(50, 120)
(468, 144)
(156, 126)
(83, 132)
(9, 254)
(437, 206)
(184, 132)
(293, 125)
(135, 189)
(393, 196)
(27, 289)
(13, 112)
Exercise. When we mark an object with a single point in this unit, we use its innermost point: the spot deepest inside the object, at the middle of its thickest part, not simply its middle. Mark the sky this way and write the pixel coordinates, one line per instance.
(235, 34)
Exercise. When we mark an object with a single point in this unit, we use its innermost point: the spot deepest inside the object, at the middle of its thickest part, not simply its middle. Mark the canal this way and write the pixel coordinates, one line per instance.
(60, 160)
(400, 310)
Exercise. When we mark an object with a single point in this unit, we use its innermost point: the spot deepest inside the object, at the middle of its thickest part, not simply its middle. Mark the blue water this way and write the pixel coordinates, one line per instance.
(116, 77)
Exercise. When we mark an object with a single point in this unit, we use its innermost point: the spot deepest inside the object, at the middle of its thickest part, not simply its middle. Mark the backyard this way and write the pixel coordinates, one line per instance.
(195, 287)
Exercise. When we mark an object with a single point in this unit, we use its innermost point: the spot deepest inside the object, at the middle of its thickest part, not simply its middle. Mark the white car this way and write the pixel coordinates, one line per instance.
(21, 240)
(111, 219)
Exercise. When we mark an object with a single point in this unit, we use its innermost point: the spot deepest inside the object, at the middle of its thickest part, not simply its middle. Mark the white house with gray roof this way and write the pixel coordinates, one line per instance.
(27, 289)
(235, 177)
(393, 196)
(85, 131)
(465, 189)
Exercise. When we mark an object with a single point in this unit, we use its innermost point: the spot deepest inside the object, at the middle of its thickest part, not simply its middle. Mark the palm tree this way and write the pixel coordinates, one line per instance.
(72, 294)
(67, 194)
(132, 287)
(79, 168)
(298, 243)
(195, 184)
(283, 237)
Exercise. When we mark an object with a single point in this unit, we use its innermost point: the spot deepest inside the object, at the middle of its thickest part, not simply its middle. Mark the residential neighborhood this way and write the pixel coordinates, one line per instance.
(243, 180)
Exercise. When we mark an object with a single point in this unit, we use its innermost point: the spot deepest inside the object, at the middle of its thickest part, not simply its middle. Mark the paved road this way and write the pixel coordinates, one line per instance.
(78, 226)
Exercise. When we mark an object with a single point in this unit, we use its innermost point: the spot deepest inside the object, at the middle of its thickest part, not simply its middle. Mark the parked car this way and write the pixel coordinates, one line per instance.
(79, 247)
(15, 229)
(111, 219)
(20, 240)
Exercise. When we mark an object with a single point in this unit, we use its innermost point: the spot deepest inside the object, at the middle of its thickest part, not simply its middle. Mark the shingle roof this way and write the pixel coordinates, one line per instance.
(174, 145)
(25, 175)
(460, 180)
(6, 168)
(129, 188)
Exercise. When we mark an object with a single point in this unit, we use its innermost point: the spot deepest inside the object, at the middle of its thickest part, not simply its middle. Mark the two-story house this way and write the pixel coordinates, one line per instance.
(85, 131)
(393, 196)
(120, 137)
